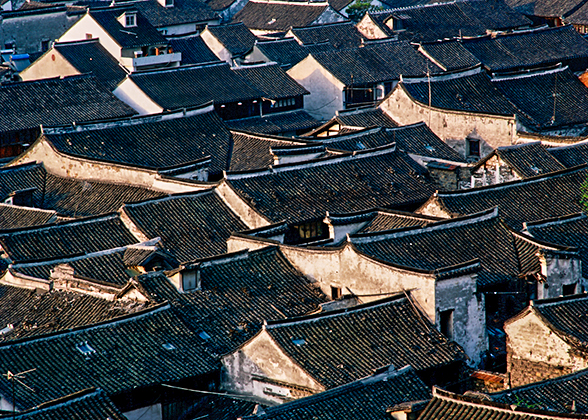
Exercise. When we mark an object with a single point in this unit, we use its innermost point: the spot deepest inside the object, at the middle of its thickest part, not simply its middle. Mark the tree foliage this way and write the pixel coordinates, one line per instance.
(358, 8)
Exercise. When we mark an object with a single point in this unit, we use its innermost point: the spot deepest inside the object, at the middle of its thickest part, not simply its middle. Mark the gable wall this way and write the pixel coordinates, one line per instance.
(87, 25)
(369, 29)
(128, 92)
(493, 171)
(535, 352)
(52, 64)
(216, 47)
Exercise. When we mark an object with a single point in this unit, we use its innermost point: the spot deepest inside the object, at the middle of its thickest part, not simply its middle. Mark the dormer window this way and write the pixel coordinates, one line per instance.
(128, 19)
(166, 3)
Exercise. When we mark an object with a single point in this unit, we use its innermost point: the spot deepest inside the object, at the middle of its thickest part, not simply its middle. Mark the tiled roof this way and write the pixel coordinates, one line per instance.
(552, 195)
(449, 243)
(219, 5)
(416, 139)
(91, 404)
(528, 49)
(154, 142)
(450, 55)
(33, 314)
(573, 10)
(192, 86)
(14, 217)
(572, 155)
(251, 151)
(279, 16)
(527, 159)
(192, 225)
(567, 316)
(339, 35)
(66, 239)
(547, 100)
(373, 63)
(455, 19)
(116, 356)
(388, 220)
(194, 50)
(182, 12)
(449, 406)
(372, 117)
(57, 101)
(559, 394)
(236, 37)
(288, 52)
(270, 79)
(143, 34)
(364, 399)
(343, 346)
(276, 123)
(219, 407)
(377, 178)
(239, 291)
(89, 56)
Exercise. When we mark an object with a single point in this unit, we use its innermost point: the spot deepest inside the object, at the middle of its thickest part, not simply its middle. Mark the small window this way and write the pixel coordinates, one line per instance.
(473, 147)
(446, 323)
(88, 36)
(169, 3)
(569, 289)
(44, 45)
(336, 292)
(10, 45)
(130, 20)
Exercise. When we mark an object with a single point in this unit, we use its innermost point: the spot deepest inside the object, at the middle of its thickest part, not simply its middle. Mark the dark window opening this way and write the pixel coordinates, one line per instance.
(44, 45)
(569, 289)
(473, 147)
(446, 323)
(336, 292)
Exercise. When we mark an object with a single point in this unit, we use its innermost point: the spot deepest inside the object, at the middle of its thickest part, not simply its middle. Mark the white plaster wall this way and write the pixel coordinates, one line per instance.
(326, 92)
(153, 412)
(238, 243)
(256, 56)
(432, 208)
(245, 212)
(493, 171)
(87, 25)
(51, 64)
(216, 47)
(330, 15)
(559, 271)
(128, 92)
(369, 29)
(24, 281)
(181, 29)
(495, 130)
(469, 316)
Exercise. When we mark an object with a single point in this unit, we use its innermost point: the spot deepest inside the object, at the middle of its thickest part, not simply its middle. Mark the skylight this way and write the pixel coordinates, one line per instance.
(85, 348)
(168, 346)
(204, 335)
(299, 341)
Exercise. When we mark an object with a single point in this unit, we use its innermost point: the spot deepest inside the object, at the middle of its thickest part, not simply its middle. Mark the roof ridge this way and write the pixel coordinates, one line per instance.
(59, 224)
(554, 220)
(170, 197)
(559, 299)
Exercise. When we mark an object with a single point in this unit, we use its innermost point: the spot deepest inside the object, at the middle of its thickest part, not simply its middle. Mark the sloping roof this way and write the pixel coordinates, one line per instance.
(194, 50)
(143, 34)
(57, 101)
(89, 56)
(559, 194)
(116, 356)
(339, 35)
(377, 178)
(572, 155)
(33, 314)
(182, 12)
(373, 63)
(238, 292)
(567, 316)
(14, 217)
(220, 407)
(280, 15)
(192, 225)
(417, 139)
(282, 122)
(449, 406)
(559, 394)
(364, 399)
(573, 10)
(527, 159)
(154, 142)
(270, 79)
(92, 404)
(450, 55)
(66, 239)
(192, 86)
(288, 52)
(528, 49)
(371, 117)
(548, 99)
(388, 220)
(342, 346)
(235, 37)
(482, 236)
(251, 151)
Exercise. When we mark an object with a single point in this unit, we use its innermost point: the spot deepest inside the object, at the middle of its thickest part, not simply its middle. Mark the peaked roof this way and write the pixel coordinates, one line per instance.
(450, 55)
(270, 79)
(16, 217)
(182, 12)
(567, 316)
(191, 225)
(89, 56)
(180, 138)
(448, 406)
(193, 86)
(235, 37)
(288, 52)
(572, 155)
(364, 399)
(342, 346)
(560, 194)
(279, 123)
(194, 50)
(57, 101)
(143, 34)
(74, 360)
(370, 117)
(383, 177)
(339, 35)
(531, 48)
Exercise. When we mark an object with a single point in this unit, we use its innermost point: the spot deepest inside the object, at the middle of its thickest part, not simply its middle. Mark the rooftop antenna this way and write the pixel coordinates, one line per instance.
(16, 377)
